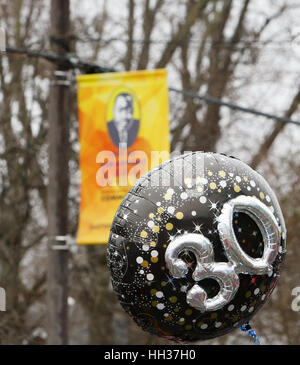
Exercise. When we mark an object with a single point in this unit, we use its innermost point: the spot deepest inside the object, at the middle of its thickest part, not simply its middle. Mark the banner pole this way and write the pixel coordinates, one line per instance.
(58, 185)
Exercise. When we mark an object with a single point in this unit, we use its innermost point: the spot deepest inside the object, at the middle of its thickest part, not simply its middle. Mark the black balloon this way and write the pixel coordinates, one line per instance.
(185, 196)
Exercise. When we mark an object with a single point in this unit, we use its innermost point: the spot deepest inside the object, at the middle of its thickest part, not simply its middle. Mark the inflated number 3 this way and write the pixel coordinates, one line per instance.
(225, 273)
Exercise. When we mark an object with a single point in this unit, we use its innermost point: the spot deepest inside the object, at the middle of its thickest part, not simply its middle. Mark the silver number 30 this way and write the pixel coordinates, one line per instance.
(225, 273)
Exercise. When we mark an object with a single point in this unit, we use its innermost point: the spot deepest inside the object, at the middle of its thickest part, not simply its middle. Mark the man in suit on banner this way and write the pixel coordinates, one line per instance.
(123, 128)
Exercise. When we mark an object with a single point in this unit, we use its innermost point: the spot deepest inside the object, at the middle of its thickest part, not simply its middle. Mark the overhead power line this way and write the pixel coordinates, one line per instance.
(227, 43)
(212, 100)
(70, 61)
(74, 62)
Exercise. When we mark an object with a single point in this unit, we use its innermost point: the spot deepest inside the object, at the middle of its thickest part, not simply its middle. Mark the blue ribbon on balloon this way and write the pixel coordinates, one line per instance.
(246, 327)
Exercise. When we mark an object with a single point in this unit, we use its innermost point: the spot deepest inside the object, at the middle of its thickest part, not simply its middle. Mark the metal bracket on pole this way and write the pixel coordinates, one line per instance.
(67, 240)
(61, 78)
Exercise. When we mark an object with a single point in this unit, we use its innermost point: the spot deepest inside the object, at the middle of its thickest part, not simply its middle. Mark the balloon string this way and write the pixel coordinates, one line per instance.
(246, 327)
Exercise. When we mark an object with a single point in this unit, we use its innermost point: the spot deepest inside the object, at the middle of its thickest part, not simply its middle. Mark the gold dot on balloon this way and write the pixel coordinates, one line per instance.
(155, 229)
(187, 180)
(222, 173)
(212, 185)
(209, 173)
(152, 244)
(163, 283)
(245, 178)
(154, 303)
(248, 294)
(237, 189)
(144, 234)
(158, 219)
(181, 322)
(145, 263)
(200, 189)
(154, 259)
(127, 247)
(169, 226)
(188, 312)
(179, 215)
(173, 299)
(219, 190)
(214, 315)
(176, 310)
(199, 324)
(153, 291)
(167, 196)
(226, 315)
(151, 215)
(263, 288)
(160, 210)
(188, 327)
(262, 195)
(163, 268)
(164, 245)
(236, 221)
(169, 318)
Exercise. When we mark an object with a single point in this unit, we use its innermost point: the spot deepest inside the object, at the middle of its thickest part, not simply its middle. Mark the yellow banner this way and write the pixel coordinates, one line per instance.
(123, 118)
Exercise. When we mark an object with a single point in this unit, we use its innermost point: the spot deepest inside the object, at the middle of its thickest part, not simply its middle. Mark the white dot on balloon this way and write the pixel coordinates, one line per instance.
(159, 294)
(251, 309)
(141, 271)
(171, 210)
(238, 179)
(139, 260)
(203, 200)
(183, 196)
(150, 224)
(154, 253)
(223, 183)
(248, 188)
(256, 291)
(230, 308)
(204, 326)
(150, 277)
(158, 204)
(194, 212)
(244, 307)
(263, 297)
(218, 324)
(170, 191)
(145, 247)
(160, 306)
(252, 183)
(268, 199)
